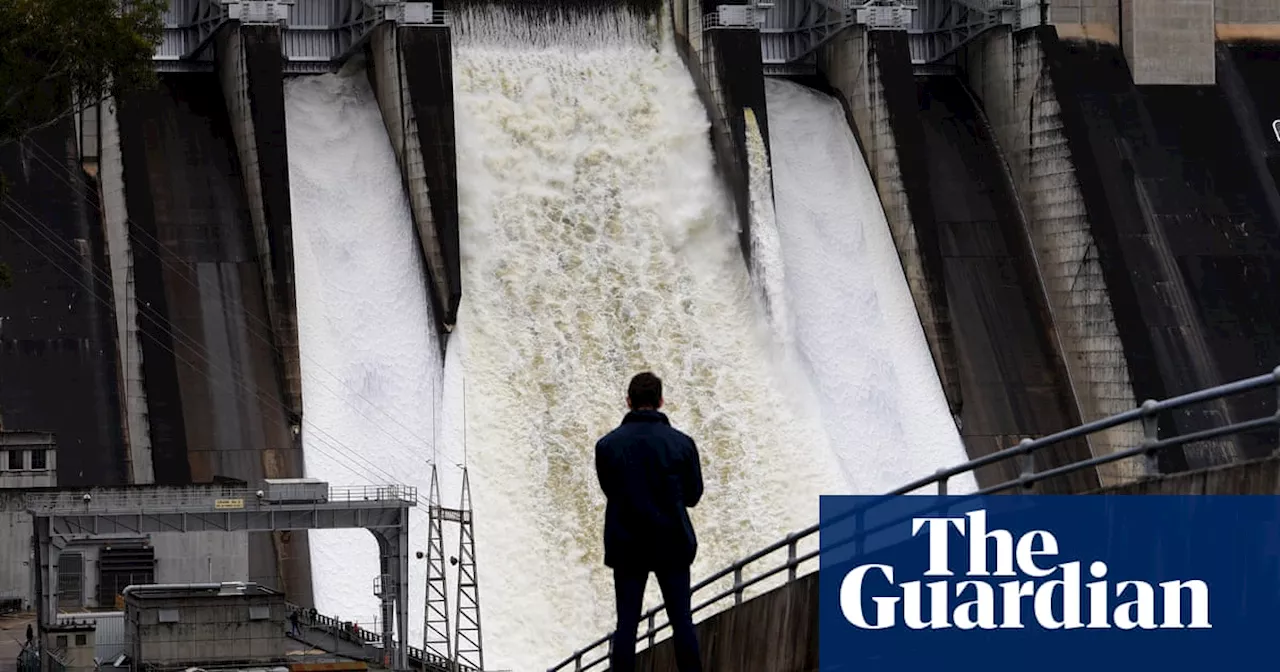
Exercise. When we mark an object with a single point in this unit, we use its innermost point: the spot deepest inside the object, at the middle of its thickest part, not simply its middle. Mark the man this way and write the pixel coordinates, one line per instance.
(649, 473)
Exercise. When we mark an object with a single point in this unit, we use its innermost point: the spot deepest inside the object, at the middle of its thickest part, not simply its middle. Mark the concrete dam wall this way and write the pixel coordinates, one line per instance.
(1185, 234)
(213, 386)
(1075, 242)
(57, 342)
(961, 232)
(1010, 373)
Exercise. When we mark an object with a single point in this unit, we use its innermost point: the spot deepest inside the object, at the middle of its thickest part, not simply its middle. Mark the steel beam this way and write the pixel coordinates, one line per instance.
(66, 515)
(794, 30)
(316, 35)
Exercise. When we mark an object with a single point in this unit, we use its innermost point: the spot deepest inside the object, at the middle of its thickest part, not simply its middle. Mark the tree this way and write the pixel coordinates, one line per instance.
(57, 54)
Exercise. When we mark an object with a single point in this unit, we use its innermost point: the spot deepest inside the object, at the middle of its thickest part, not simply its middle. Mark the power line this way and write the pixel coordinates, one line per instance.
(144, 311)
(158, 250)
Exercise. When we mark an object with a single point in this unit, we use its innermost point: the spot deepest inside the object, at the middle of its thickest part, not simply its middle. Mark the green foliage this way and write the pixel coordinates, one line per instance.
(6, 276)
(54, 53)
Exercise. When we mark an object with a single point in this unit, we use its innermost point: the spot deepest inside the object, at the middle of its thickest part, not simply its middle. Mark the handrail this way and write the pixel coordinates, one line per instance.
(1151, 445)
(338, 628)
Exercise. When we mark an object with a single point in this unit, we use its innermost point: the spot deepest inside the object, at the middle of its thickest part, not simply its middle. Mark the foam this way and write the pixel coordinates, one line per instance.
(370, 359)
(856, 328)
(597, 243)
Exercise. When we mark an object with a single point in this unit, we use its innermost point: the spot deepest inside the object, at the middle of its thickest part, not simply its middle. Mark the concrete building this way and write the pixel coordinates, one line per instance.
(179, 625)
(109, 639)
(27, 460)
(72, 643)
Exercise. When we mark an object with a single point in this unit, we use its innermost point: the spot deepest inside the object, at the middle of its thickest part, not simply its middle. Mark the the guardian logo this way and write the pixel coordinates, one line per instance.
(985, 604)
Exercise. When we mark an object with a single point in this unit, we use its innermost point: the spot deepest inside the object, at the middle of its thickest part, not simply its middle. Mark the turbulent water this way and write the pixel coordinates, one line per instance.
(856, 328)
(766, 248)
(597, 243)
(370, 362)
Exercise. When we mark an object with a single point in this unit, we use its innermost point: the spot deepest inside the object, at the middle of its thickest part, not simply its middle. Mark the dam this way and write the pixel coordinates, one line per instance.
(409, 243)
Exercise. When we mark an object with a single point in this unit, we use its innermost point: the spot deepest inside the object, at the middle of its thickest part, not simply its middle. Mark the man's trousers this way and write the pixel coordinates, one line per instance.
(628, 588)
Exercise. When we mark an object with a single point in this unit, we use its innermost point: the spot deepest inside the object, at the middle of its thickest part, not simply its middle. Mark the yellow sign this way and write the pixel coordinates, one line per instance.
(228, 504)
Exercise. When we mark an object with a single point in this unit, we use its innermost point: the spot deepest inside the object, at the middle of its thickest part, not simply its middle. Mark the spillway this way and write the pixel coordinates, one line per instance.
(370, 359)
(597, 243)
(857, 334)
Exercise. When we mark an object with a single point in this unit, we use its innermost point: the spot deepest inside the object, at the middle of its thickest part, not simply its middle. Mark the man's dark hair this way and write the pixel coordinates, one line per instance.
(645, 390)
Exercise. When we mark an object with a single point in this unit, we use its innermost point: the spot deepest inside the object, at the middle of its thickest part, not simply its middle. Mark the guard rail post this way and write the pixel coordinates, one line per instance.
(1028, 464)
(652, 632)
(942, 482)
(1275, 373)
(737, 585)
(1150, 434)
(791, 557)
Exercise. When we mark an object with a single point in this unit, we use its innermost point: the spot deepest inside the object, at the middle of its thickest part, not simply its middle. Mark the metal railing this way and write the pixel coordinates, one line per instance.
(182, 499)
(596, 653)
(345, 630)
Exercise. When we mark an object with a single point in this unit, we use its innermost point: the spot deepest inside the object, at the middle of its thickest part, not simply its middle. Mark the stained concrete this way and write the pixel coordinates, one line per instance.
(1169, 41)
(774, 632)
(1014, 79)
(115, 221)
(1184, 233)
(1014, 384)
(251, 73)
(218, 407)
(57, 332)
(412, 77)
(1257, 477)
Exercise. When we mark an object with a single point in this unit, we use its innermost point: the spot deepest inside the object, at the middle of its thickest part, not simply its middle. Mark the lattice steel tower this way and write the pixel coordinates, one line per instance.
(467, 643)
(465, 648)
(435, 631)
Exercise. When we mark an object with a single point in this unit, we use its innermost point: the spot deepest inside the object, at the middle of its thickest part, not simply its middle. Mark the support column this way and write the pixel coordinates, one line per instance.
(115, 220)
(250, 67)
(412, 77)
(393, 592)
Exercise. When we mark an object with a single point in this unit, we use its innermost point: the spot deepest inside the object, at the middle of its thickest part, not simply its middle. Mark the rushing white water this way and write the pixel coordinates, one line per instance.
(856, 328)
(597, 243)
(767, 269)
(370, 363)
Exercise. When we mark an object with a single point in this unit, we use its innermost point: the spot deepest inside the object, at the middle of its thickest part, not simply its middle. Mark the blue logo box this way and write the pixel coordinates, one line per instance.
(1048, 583)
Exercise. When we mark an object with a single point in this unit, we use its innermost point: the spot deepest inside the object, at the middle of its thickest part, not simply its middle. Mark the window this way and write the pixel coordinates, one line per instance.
(38, 460)
(15, 460)
(168, 616)
(81, 640)
(62, 641)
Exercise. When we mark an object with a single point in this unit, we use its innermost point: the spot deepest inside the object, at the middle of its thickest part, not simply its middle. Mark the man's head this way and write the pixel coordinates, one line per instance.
(645, 392)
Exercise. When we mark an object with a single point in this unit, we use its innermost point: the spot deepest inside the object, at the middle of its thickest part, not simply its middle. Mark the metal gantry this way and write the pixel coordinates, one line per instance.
(316, 35)
(466, 647)
(101, 513)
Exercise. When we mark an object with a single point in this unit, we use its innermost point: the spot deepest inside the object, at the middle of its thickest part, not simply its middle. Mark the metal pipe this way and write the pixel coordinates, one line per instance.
(169, 586)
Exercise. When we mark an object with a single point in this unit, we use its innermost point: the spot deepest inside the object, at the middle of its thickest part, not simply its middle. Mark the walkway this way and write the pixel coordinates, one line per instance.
(329, 634)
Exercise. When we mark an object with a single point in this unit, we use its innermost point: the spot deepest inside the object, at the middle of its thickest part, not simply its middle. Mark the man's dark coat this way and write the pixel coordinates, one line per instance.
(650, 473)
